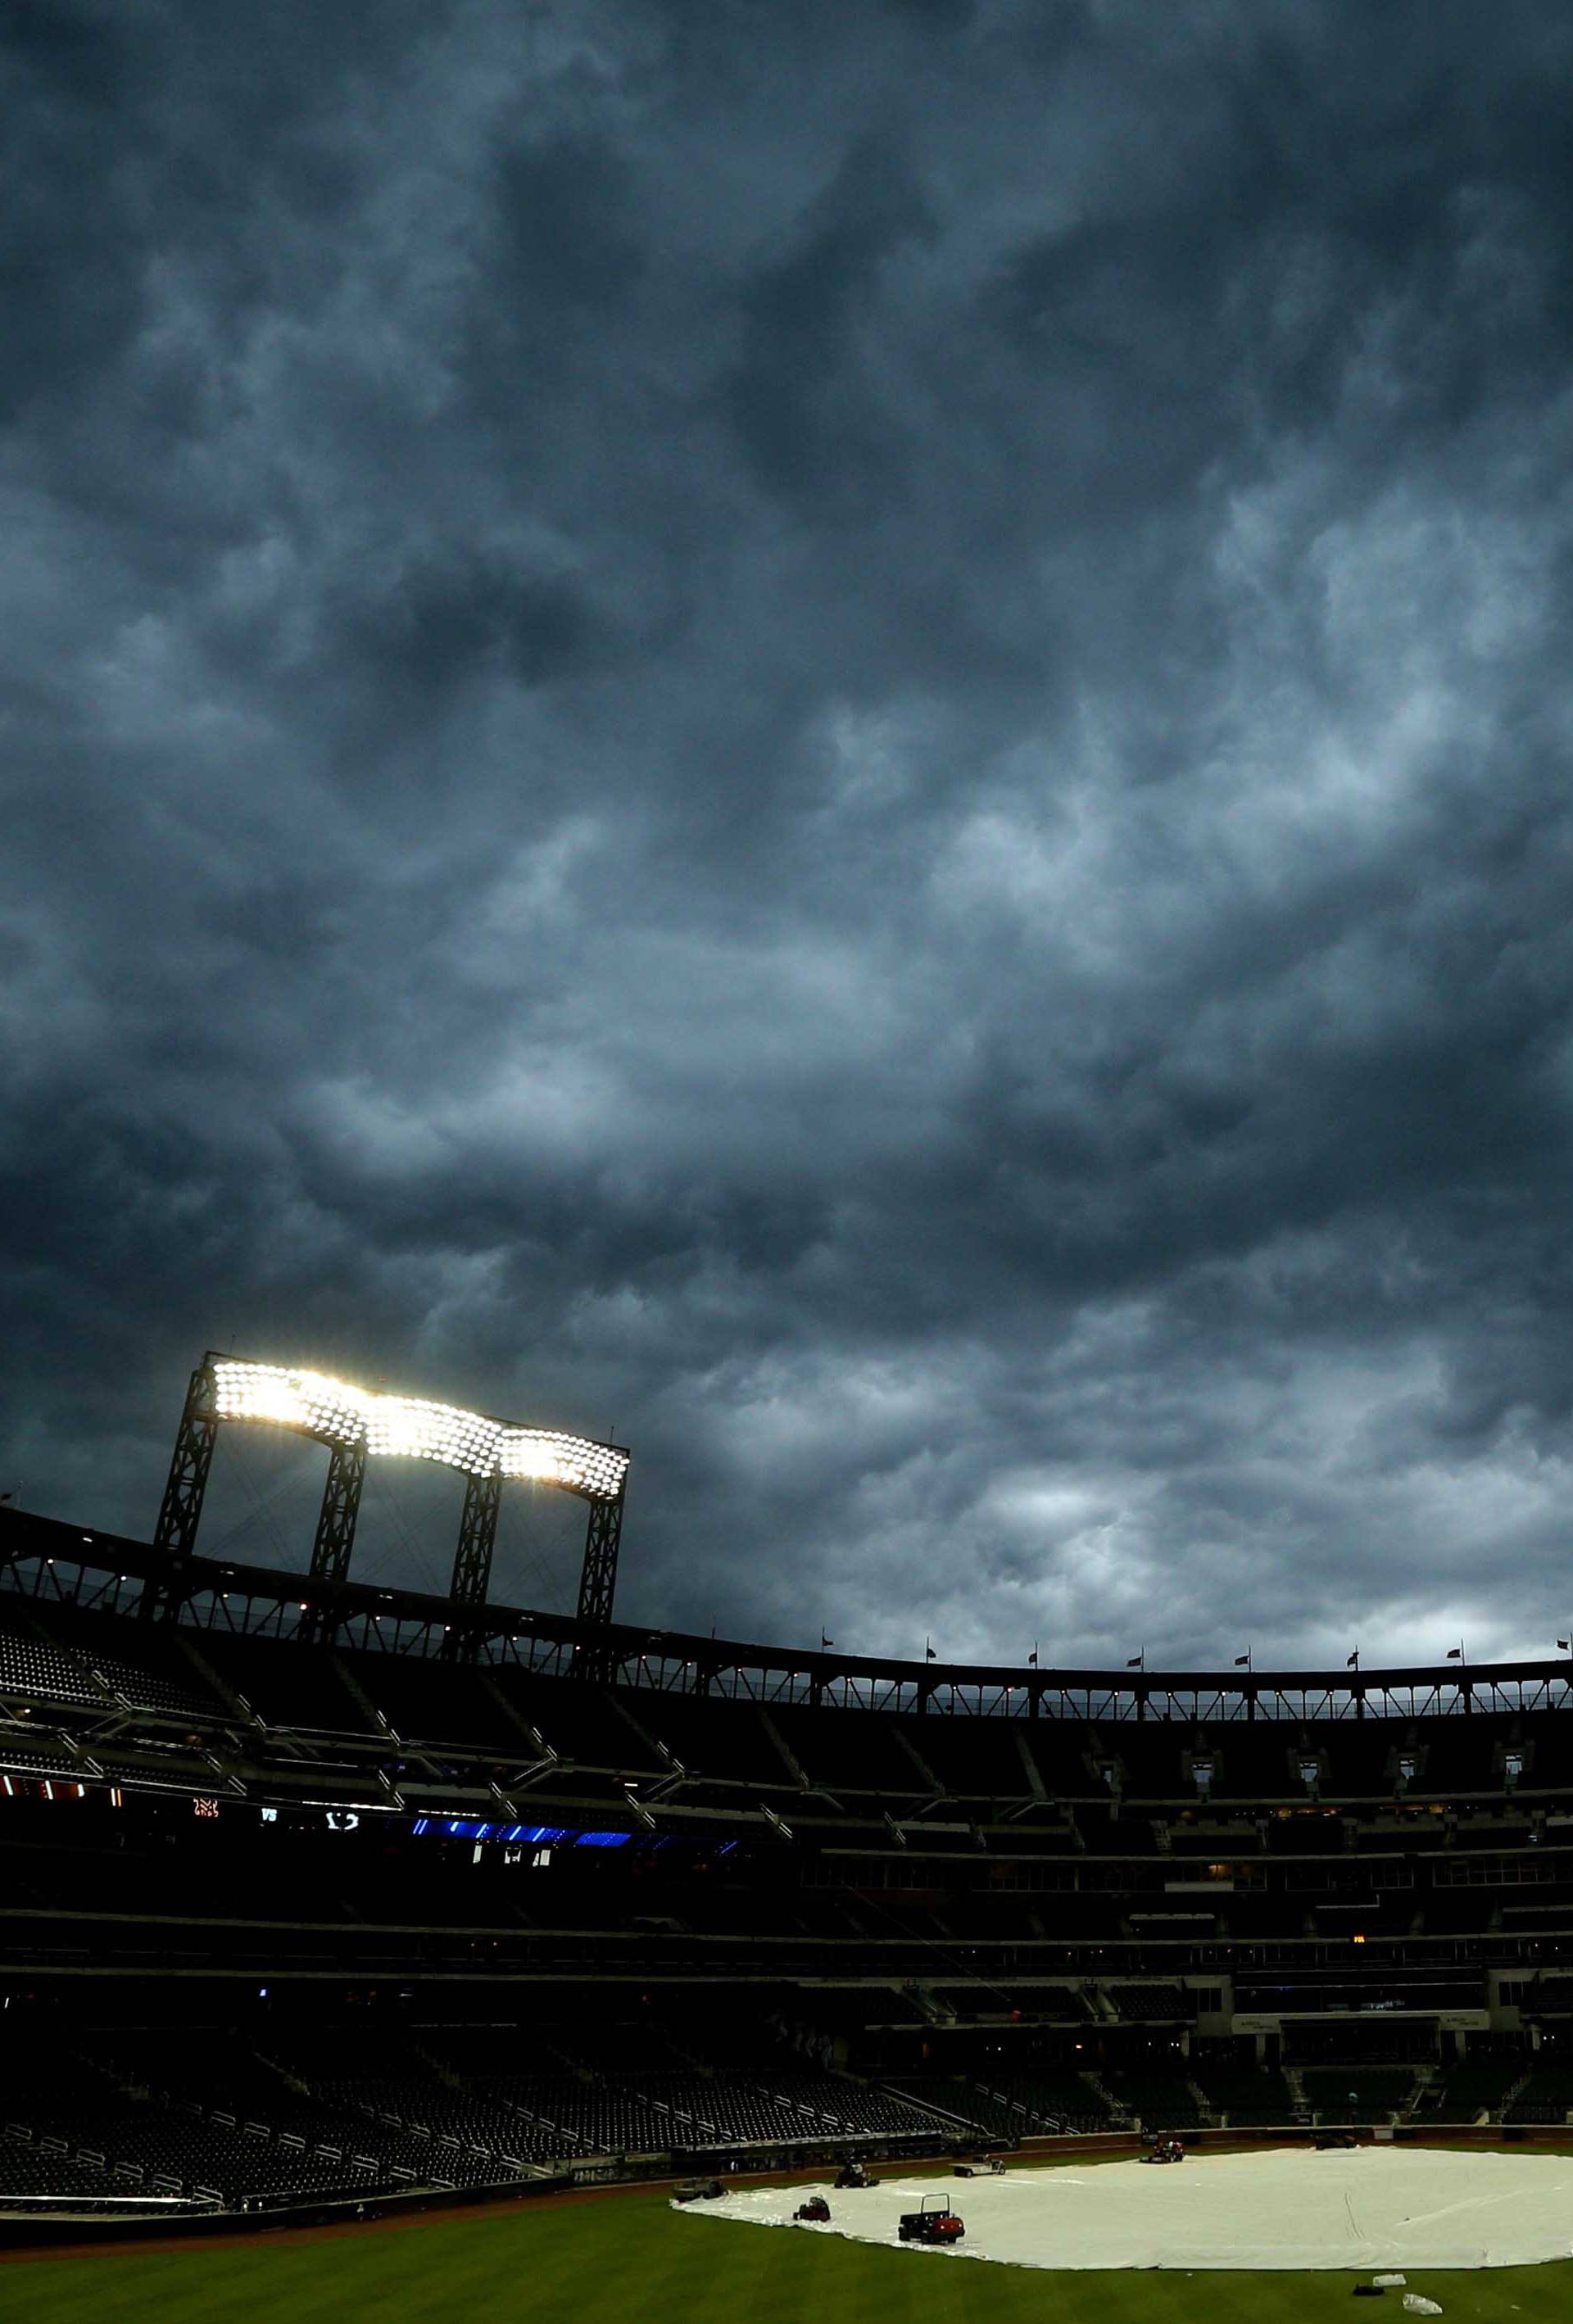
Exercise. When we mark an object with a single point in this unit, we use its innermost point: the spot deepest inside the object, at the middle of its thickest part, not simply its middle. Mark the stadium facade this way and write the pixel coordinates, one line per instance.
(318, 1891)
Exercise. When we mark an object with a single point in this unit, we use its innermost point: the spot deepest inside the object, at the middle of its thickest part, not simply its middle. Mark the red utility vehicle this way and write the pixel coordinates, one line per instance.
(933, 2222)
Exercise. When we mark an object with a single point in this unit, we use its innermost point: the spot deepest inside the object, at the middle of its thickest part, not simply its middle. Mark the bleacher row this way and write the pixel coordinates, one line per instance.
(1145, 2002)
(295, 1873)
(1509, 2088)
(349, 2112)
(73, 1655)
(949, 1939)
(1218, 2091)
(318, 2114)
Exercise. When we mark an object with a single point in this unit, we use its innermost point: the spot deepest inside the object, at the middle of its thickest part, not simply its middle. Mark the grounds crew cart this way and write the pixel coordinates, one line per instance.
(853, 2173)
(933, 2222)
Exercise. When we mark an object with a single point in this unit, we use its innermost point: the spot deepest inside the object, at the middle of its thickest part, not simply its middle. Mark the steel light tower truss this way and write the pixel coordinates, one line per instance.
(174, 1538)
(478, 1535)
(597, 1585)
(599, 1574)
(472, 1561)
(335, 1538)
(336, 1519)
(355, 1423)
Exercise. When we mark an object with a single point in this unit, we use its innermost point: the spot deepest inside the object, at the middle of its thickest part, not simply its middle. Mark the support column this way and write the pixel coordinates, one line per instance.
(472, 1561)
(599, 1574)
(477, 1534)
(336, 1520)
(181, 1512)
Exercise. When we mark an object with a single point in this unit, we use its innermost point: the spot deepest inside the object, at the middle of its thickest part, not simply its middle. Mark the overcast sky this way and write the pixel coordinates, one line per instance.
(837, 732)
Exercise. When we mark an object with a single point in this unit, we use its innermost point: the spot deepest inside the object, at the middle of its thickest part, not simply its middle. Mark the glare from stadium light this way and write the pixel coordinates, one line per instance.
(336, 1412)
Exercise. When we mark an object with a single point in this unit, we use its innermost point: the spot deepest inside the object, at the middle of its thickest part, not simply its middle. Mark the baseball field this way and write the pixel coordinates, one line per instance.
(629, 2257)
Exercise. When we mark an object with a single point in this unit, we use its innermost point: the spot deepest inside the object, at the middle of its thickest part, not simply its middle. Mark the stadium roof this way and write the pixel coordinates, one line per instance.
(678, 1660)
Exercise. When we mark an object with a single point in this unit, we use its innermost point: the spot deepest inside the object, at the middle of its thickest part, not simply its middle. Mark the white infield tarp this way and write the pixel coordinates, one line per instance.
(1373, 2206)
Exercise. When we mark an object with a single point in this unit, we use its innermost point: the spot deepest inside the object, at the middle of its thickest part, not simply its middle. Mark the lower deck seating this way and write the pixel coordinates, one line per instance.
(771, 2105)
(1358, 2093)
(1170, 2004)
(1473, 2086)
(1160, 2101)
(1050, 2101)
(1248, 2097)
(170, 2116)
(161, 2150)
(954, 2095)
(26, 2169)
(758, 2092)
(1546, 2097)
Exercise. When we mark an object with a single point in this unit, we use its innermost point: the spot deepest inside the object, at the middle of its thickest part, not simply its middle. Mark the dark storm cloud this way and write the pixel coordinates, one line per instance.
(841, 732)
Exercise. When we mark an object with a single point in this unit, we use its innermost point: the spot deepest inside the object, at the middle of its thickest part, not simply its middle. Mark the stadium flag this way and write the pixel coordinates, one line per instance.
(1354, 1661)
(1454, 1653)
(824, 1641)
(1242, 1662)
(1566, 1645)
(927, 1650)
(1137, 1661)
(1032, 1659)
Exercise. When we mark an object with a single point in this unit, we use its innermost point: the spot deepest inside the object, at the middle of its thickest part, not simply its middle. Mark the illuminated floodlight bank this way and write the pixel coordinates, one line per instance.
(337, 1412)
(355, 1423)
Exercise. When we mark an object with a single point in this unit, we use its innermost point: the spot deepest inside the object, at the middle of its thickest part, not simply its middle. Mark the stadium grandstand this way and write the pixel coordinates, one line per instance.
(317, 1892)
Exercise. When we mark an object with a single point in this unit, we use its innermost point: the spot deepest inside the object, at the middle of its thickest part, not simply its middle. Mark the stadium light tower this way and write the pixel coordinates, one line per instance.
(356, 1423)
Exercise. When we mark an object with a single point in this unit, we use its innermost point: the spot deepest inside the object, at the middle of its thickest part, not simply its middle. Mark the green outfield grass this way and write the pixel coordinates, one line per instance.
(632, 2257)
